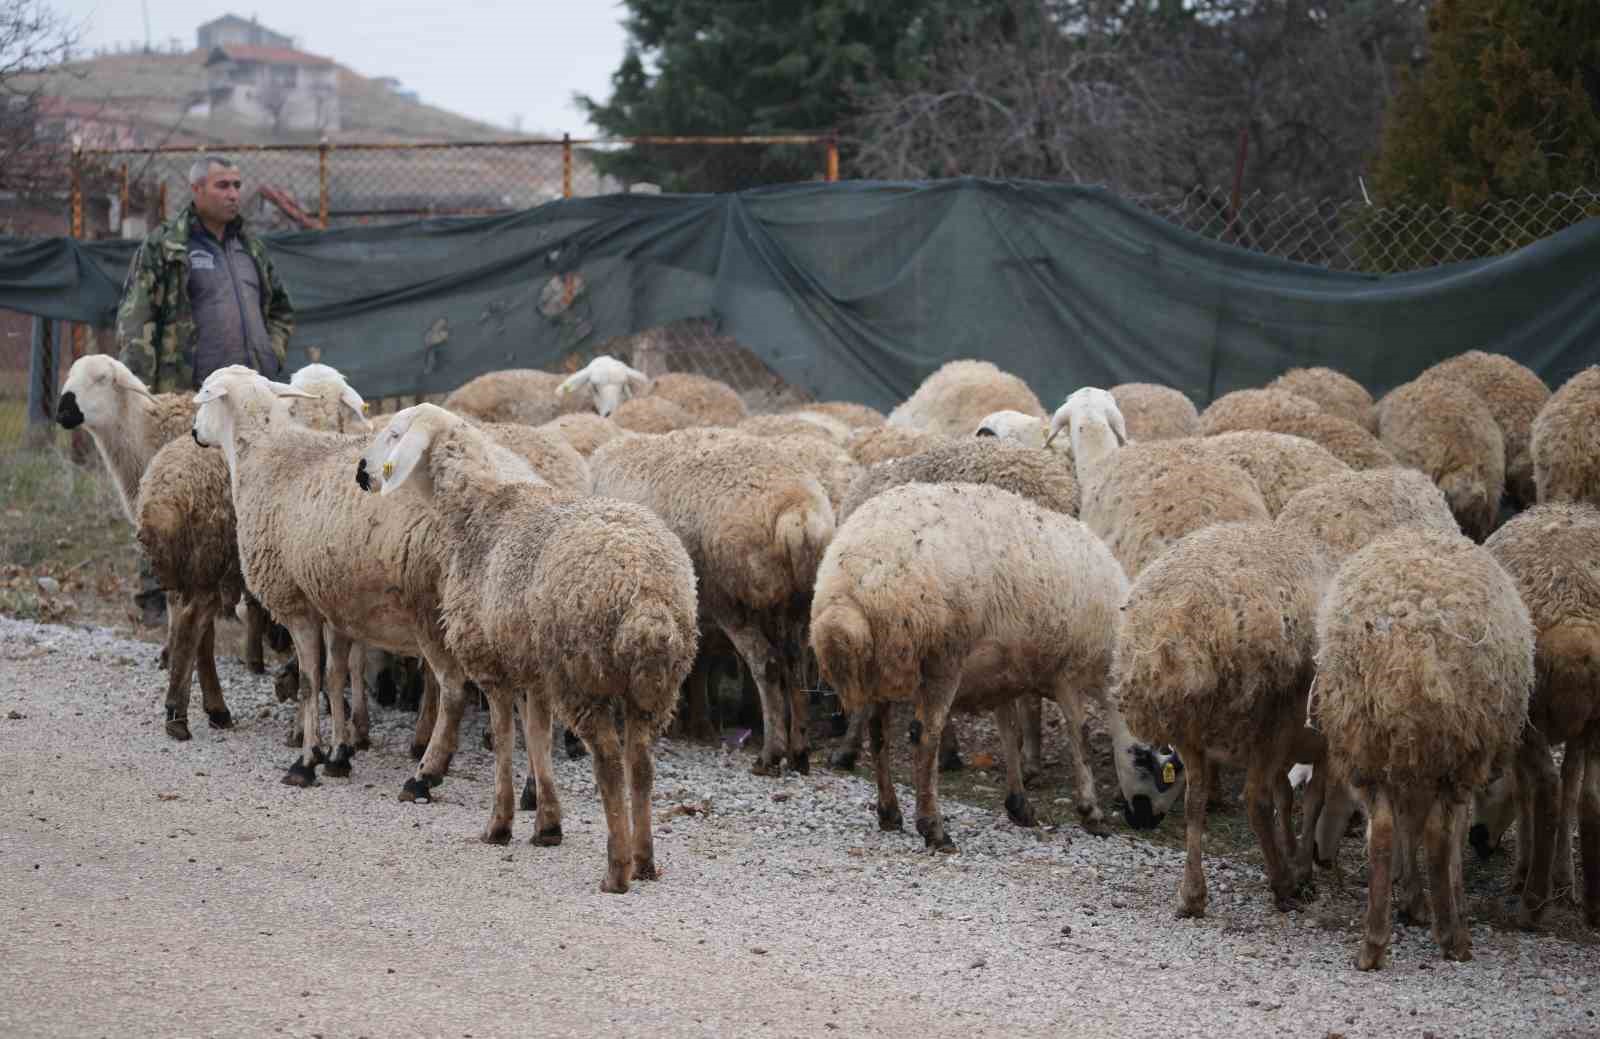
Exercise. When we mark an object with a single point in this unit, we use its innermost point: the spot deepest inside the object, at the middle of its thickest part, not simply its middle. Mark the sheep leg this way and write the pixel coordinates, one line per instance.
(255, 634)
(1562, 880)
(1262, 779)
(1338, 808)
(766, 667)
(1536, 774)
(799, 697)
(205, 665)
(1087, 800)
(1380, 879)
(186, 626)
(694, 721)
(338, 672)
(889, 815)
(849, 746)
(1310, 815)
(307, 635)
(361, 714)
(641, 772)
(1589, 824)
(932, 712)
(1192, 889)
(1030, 716)
(1526, 827)
(1010, 723)
(1411, 813)
(500, 722)
(600, 733)
(427, 714)
(442, 742)
(540, 792)
(1443, 835)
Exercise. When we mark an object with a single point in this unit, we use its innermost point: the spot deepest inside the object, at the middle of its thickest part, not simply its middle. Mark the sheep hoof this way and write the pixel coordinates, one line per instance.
(339, 766)
(1370, 957)
(645, 869)
(1094, 821)
(497, 834)
(889, 818)
(177, 725)
(1286, 903)
(616, 883)
(294, 737)
(300, 774)
(1478, 837)
(934, 835)
(417, 750)
(574, 745)
(256, 667)
(1190, 908)
(417, 790)
(549, 837)
(1591, 914)
(844, 760)
(530, 797)
(1459, 949)
(763, 767)
(1020, 811)
(801, 762)
(220, 719)
(1528, 915)
(161, 661)
(286, 683)
(488, 740)
(952, 762)
(363, 742)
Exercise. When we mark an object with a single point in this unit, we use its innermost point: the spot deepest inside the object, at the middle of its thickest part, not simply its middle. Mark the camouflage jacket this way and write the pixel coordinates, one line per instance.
(156, 334)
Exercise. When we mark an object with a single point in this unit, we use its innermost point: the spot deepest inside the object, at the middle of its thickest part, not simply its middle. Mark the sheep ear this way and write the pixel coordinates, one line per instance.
(638, 380)
(208, 394)
(352, 400)
(1119, 428)
(576, 380)
(130, 382)
(283, 389)
(402, 461)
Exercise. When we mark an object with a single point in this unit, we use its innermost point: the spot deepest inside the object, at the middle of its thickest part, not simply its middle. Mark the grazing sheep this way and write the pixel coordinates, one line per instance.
(549, 454)
(1332, 391)
(856, 416)
(610, 383)
(1550, 552)
(710, 401)
(871, 446)
(1566, 466)
(960, 595)
(756, 523)
(1281, 465)
(1514, 395)
(828, 462)
(586, 605)
(796, 423)
(523, 395)
(1444, 429)
(1215, 656)
(1346, 441)
(1425, 662)
(1253, 409)
(954, 399)
(1027, 430)
(1155, 412)
(652, 415)
(336, 558)
(1031, 473)
(584, 430)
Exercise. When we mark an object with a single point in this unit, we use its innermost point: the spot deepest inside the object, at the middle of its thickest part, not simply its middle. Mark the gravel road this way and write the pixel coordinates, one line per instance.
(155, 888)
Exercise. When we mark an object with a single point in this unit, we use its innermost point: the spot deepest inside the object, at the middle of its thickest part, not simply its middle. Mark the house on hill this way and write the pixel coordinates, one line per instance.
(239, 32)
(275, 87)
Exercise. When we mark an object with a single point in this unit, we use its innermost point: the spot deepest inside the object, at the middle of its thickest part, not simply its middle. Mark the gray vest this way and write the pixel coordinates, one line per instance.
(225, 298)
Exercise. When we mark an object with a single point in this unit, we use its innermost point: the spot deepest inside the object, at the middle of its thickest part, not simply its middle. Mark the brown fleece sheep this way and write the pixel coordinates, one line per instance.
(954, 399)
(1332, 391)
(1029, 472)
(584, 605)
(827, 461)
(1215, 656)
(871, 446)
(584, 430)
(1514, 395)
(959, 595)
(796, 423)
(524, 395)
(652, 415)
(1424, 667)
(1281, 465)
(1143, 498)
(856, 416)
(756, 523)
(1155, 412)
(1445, 430)
(1550, 552)
(1253, 409)
(1346, 512)
(1346, 441)
(556, 461)
(1566, 467)
(710, 401)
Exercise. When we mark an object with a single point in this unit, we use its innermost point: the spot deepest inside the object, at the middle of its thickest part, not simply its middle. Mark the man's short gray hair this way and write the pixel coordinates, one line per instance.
(202, 166)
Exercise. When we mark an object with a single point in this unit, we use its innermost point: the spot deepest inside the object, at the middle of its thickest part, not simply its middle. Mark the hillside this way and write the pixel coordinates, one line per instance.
(150, 92)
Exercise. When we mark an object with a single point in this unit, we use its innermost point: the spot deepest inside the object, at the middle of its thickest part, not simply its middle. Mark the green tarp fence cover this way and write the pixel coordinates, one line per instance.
(858, 290)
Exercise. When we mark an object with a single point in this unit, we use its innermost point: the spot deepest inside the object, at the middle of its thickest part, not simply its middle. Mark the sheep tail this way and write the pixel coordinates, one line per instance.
(654, 650)
(804, 531)
(842, 641)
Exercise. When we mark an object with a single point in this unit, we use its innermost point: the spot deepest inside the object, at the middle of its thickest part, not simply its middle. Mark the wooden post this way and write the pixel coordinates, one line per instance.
(122, 200)
(161, 203)
(1238, 184)
(568, 290)
(833, 156)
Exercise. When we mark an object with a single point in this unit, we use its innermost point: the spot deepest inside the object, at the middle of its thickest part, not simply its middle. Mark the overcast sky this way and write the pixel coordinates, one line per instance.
(489, 59)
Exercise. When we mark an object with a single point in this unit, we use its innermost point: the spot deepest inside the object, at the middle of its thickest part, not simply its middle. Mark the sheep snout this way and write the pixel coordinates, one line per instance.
(68, 413)
(363, 478)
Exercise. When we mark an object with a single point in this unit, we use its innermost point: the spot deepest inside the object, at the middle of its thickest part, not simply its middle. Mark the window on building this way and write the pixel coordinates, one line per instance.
(284, 75)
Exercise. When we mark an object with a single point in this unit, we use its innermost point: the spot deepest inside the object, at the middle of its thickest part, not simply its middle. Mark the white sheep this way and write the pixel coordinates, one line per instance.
(954, 399)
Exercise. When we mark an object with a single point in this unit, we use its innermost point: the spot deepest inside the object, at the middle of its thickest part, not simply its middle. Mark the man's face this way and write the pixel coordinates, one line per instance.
(217, 197)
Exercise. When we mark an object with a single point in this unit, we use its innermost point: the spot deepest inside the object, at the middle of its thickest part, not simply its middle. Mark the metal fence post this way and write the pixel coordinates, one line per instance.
(833, 156)
(322, 177)
(80, 440)
(161, 203)
(41, 376)
(122, 201)
(568, 288)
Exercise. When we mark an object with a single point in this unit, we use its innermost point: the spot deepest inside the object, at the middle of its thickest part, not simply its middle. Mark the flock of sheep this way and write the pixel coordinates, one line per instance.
(1397, 599)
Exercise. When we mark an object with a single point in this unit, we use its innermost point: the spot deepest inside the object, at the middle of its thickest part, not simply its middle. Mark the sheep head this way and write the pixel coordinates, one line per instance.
(97, 389)
(235, 396)
(1027, 430)
(1095, 424)
(609, 382)
(322, 377)
(395, 453)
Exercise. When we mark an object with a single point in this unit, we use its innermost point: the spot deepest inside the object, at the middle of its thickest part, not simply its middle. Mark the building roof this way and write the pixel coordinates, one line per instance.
(265, 55)
(228, 18)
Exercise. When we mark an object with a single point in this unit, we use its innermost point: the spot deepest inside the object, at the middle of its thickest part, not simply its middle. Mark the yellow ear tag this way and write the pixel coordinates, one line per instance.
(1169, 774)
(388, 471)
